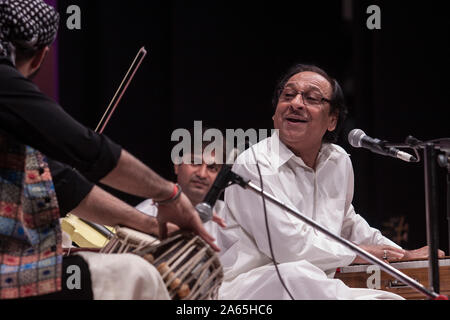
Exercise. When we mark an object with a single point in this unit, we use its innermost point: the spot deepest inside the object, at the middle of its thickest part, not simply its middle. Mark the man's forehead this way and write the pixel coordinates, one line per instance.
(309, 80)
(301, 85)
(208, 158)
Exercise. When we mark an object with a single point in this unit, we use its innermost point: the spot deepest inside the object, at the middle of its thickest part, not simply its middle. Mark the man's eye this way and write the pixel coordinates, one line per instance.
(289, 94)
(312, 99)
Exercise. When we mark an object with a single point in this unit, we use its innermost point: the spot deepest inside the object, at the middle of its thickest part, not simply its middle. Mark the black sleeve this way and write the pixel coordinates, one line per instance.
(36, 120)
(70, 186)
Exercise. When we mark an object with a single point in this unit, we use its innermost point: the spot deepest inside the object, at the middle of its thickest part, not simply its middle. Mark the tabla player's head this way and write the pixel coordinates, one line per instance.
(309, 108)
(29, 27)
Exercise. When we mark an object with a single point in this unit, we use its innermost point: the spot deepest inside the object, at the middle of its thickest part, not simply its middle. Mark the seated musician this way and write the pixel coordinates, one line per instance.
(31, 125)
(195, 175)
(302, 167)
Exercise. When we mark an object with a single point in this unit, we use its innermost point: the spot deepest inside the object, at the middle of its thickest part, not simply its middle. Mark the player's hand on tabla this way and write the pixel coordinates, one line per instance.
(183, 214)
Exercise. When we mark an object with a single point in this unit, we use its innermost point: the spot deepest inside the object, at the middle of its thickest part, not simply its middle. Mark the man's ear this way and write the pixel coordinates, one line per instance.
(38, 58)
(334, 117)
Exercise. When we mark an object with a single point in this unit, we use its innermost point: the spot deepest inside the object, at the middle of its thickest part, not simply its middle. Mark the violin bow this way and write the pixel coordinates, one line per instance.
(121, 90)
(109, 112)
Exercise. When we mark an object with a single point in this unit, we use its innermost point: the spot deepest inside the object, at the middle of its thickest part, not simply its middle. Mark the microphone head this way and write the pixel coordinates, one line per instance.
(204, 211)
(355, 136)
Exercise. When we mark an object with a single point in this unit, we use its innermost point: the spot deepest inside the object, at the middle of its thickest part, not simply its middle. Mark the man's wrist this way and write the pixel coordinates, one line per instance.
(144, 223)
(176, 193)
(153, 227)
(164, 193)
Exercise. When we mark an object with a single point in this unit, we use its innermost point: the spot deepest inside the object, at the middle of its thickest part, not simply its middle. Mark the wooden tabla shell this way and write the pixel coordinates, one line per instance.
(356, 276)
(189, 267)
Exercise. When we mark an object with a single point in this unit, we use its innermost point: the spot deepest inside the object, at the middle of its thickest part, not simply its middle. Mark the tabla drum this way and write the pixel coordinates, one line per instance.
(365, 276)
(189, 267)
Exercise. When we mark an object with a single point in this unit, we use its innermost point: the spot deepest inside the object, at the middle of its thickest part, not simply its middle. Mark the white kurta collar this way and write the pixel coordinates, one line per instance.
(280, 154)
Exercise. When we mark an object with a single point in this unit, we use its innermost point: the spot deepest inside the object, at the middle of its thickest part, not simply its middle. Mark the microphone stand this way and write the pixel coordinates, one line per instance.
(246, 184)
(444, 162)
(432, 214)
(431, 197)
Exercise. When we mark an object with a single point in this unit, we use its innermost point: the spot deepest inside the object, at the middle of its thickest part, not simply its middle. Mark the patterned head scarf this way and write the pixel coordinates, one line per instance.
(28, 24)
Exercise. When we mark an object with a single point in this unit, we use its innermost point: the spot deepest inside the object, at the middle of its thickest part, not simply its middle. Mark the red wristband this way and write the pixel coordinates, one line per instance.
(175, 194)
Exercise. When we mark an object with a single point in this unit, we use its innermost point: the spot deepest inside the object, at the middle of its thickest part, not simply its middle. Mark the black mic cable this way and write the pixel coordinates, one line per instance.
(275, 263)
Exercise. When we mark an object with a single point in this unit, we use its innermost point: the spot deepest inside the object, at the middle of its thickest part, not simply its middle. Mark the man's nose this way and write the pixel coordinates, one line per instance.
(202, 171)
(298, 101)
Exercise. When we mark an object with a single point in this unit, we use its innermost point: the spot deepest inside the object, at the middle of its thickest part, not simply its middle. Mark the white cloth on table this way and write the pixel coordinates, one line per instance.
(124, 277)
(307, 258)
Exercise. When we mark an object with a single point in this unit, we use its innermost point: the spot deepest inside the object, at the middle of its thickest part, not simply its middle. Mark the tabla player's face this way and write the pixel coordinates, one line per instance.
(299, 124)
(196, 179)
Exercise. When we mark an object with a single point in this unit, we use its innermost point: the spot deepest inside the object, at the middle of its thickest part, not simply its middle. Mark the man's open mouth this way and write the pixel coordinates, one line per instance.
(296, 120)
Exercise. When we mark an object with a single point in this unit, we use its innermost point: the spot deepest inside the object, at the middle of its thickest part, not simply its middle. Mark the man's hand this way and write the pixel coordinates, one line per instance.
(220, 221)
(422, 253)
(183, 214)
(386, 253)
(151, 226)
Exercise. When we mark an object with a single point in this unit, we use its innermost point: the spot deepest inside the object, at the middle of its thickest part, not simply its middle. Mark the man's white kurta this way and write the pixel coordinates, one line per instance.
(307, 258)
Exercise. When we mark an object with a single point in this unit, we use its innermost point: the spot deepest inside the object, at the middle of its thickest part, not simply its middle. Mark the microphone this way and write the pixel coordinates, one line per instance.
(358, 139)
(205, 208)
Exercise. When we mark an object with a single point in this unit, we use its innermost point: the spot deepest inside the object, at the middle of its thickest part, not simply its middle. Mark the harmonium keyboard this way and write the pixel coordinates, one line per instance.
(373, 277)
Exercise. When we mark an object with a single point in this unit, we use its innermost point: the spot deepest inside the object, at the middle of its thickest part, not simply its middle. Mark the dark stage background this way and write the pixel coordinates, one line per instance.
(218, 62)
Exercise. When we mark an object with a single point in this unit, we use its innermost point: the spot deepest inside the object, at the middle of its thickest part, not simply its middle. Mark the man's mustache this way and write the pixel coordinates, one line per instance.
(201, 181)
